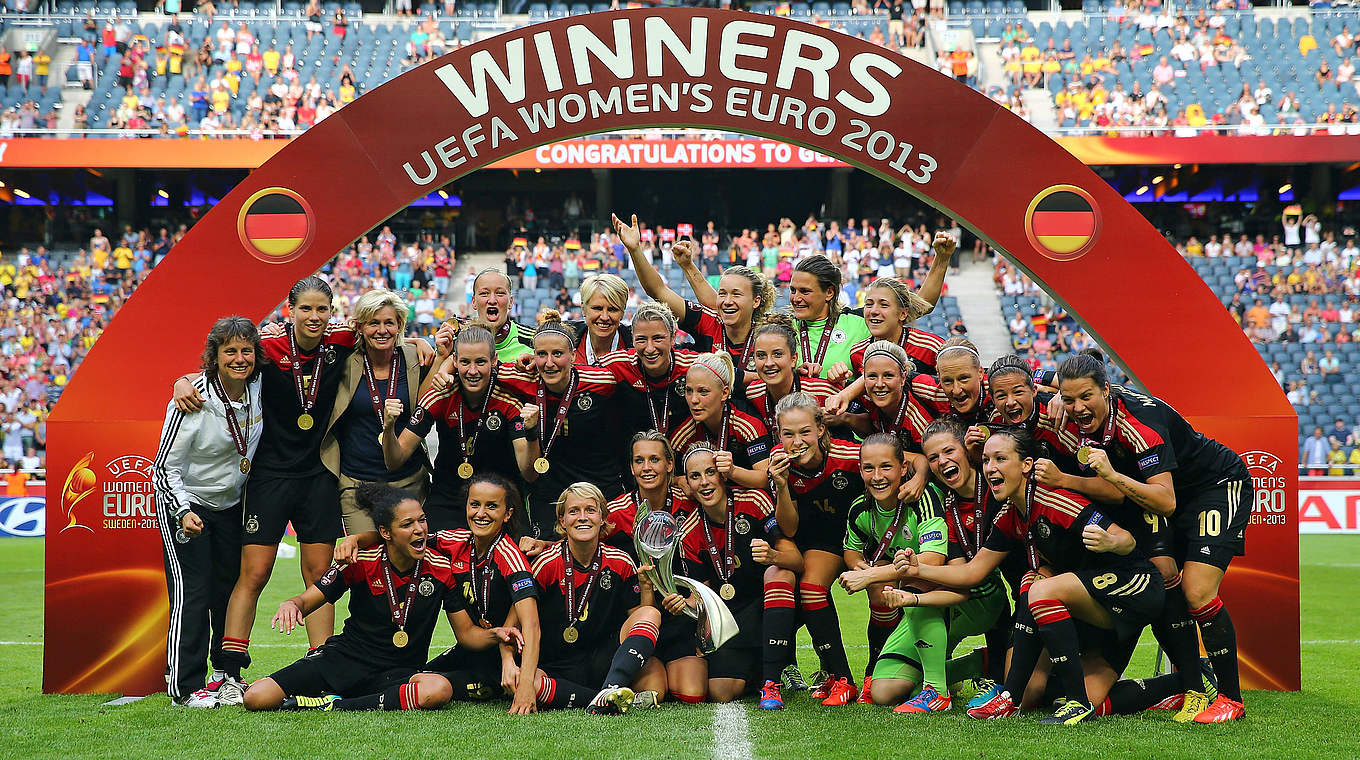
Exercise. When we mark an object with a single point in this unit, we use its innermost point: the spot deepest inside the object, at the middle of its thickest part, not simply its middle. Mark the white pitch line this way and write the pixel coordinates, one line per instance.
(731, 732)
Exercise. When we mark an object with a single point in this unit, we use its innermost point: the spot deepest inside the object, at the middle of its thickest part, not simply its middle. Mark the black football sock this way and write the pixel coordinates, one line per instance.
(235, 656)
(998, 641)
(777, 624)
(825, 629)
(1027, 647)
(559, 693)
(404, 696)
(1220, 643)
(1175, 631)
(632, 654)
(882, 621)
(1060, 637)
(1134, 695)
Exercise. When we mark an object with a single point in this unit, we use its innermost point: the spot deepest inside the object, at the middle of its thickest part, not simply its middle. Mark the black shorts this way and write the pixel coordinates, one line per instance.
(327, 670)
(442, 513)
(740, 657)
(1152, 533)
(676, 639)
(1132, 593)
(1211, 525)
(587, 667)
(821, 535)
(311, 503)
(474, 673)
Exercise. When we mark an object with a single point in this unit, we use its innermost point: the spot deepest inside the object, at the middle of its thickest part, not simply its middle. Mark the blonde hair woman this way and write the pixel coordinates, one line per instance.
(381, 386)
(604, 298)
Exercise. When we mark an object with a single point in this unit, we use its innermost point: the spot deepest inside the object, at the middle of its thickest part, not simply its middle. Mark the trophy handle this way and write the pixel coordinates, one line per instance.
(715, 625)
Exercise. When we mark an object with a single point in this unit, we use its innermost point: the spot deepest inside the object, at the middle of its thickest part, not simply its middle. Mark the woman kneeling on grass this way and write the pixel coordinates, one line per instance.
(397, 590)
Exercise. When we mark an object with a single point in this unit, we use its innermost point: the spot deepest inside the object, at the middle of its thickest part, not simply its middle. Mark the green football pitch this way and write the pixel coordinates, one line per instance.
(1321, 721)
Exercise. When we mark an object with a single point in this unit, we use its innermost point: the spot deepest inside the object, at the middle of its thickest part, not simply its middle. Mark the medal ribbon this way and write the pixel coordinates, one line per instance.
(469, 442)
(979, 514)
(562, 409)
(400, 612)
(1031, 553)
(574, 607)
(373, 396)
(724, 562)
(306, 396)
(658, 424)
(591, 356)
(887, 536)
(481, 571)
(1108, 434)
(822, 342)
(238, 435)
(745, 354)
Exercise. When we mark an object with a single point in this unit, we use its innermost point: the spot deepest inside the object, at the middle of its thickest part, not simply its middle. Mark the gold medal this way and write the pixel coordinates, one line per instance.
(400, 639)
(727, 592)
(986, 431)
(380, 440)
(465, 470)
(245, 465)
(1084, 455)
(305, 421)
(484, 623)
(571, 635)
(541, 465)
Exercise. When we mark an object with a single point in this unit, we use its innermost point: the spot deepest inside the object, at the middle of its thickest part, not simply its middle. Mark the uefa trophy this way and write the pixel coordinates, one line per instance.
(656, 535)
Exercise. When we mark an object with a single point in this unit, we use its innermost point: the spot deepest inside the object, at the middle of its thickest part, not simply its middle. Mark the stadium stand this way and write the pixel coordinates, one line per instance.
(266, 68)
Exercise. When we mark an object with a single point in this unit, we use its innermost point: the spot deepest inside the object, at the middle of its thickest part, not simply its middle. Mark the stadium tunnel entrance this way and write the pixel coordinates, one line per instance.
(809, 87)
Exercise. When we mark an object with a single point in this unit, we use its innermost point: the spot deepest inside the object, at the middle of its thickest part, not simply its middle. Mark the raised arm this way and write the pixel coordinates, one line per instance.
(651, 280)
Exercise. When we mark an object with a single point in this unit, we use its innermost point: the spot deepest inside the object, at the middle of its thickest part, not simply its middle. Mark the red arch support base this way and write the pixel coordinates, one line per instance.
(929, 135)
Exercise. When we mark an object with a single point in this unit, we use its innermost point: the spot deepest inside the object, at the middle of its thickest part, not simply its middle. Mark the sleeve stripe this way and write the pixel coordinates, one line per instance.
(510, 556)
(162, 484)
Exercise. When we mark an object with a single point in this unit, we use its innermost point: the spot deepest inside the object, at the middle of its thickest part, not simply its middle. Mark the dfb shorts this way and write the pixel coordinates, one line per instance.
(311, 504)
(822, 535)
(473, 674)
(676, 639)
(1132, 593)
(1211, 526)
(740, 658)
(326, 670)
(587, 668)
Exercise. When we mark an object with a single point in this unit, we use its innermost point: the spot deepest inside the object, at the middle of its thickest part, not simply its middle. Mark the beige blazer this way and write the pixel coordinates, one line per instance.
(352, 381)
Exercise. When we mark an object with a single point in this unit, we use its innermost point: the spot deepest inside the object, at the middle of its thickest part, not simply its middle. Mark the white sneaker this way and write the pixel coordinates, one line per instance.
(200, 698)
(231, 692)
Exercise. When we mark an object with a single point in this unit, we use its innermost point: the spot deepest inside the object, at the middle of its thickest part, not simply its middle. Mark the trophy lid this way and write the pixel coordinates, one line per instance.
(656, 534)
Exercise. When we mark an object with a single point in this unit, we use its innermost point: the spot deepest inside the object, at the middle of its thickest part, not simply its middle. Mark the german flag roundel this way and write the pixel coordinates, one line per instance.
(1062, 222)
(275, 224)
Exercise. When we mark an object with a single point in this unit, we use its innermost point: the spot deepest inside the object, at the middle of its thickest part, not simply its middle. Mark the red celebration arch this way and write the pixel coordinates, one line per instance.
(929, 135)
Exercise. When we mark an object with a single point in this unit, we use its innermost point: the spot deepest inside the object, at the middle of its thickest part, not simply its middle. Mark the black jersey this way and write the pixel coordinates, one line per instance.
(621, 513)
(490, 436)
(368, 631)
(1050, 534)
(969, 527)
(613, 593)
(753, 517)
(909, 416)
(648, 400)
(586, 446)
(1149, 437)
(285, 448)
(488, 585)
(747, 439)
(706, 329)
(824, 497)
